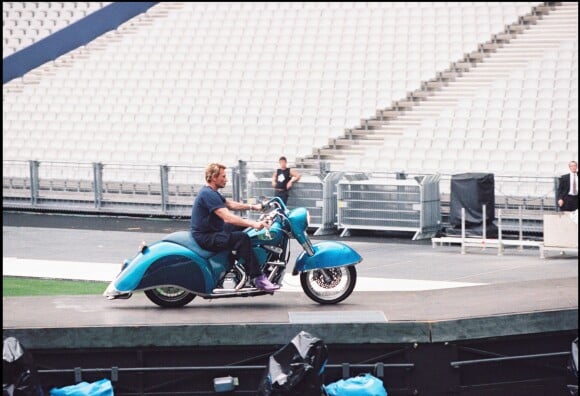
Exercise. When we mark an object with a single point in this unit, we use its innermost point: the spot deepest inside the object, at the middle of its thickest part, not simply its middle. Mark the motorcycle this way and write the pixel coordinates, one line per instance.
(174, 270)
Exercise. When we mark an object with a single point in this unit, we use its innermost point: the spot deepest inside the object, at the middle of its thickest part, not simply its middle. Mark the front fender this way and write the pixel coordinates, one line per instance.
(327, 254)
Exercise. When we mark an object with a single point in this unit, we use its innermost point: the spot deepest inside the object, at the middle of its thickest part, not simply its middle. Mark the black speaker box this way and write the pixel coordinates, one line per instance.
(471, 191)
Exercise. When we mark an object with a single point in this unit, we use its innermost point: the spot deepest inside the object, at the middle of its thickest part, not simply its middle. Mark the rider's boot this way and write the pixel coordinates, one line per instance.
(262, 282)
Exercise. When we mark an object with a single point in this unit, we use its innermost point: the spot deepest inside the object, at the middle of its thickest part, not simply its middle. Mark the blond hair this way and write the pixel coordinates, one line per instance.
(213, 170)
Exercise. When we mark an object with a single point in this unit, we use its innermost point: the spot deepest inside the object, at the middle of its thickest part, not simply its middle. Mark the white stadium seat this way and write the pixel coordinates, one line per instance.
(290, 76)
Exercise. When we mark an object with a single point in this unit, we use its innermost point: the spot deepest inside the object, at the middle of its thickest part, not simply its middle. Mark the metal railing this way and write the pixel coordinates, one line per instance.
(102, 188)
(419, 203)
(385, 203)
(124, 384)
(315, 192)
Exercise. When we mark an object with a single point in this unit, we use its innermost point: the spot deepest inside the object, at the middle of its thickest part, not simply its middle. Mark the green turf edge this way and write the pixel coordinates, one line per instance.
(21, 286)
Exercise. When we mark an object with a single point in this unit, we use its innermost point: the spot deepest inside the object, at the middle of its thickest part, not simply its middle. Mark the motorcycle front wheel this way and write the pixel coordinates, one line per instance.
(169, 297)
(329, 285)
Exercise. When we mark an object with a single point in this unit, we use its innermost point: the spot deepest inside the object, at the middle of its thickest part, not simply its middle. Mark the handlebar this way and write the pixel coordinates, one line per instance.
(272, 208)
(274, 202)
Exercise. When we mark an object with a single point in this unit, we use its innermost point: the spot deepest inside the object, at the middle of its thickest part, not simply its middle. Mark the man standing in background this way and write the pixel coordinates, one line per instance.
(283, 179)
(568, 189)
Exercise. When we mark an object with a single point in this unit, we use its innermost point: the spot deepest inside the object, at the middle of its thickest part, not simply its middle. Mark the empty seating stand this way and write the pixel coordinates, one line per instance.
(213, 66)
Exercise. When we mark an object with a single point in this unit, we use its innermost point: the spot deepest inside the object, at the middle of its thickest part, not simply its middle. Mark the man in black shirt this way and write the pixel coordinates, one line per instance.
(283, 180)
(215, 227)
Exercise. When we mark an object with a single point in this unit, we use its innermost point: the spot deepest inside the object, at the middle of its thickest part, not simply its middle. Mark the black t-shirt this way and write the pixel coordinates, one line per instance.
(203, 217)
(282, 178)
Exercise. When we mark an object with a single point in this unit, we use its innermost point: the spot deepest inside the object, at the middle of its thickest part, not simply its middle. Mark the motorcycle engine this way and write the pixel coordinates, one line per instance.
(230, 280)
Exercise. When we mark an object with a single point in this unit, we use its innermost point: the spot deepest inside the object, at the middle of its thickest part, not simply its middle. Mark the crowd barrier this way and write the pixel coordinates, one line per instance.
(337, 201)
(383, 203)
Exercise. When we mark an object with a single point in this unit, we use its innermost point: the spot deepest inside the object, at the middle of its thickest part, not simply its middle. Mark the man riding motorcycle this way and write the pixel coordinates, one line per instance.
(214, 227)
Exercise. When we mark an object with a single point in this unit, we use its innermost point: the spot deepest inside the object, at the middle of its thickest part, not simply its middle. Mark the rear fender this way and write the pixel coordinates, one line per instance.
(166, 263)
(327, 254)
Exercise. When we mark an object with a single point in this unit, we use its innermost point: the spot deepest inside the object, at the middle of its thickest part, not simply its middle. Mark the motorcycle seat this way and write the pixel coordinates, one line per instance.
(185, 239)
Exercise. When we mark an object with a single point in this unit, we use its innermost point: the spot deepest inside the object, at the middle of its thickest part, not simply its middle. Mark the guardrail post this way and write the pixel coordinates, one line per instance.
(484, 233)
(34, 181)
(521, 226)
(98, 183)
(78, 372)
(239, 185)
(462, 230)
(556, 185)
(499, 238)
(164, 173)
(114, 374)
(380, 370)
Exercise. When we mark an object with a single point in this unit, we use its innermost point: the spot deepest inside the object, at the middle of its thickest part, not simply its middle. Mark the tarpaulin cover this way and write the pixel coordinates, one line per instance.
(471, 191)
(297, 368)
(98, 388)
(19, 377)
(362, 385)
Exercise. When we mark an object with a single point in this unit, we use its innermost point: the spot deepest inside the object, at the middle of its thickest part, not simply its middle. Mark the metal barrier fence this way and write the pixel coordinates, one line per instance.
(102, 188)
(419, 204)
(315, 192)
(384, 203)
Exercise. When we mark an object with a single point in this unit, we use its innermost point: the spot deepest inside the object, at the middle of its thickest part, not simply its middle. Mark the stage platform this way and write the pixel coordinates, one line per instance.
(408, 293)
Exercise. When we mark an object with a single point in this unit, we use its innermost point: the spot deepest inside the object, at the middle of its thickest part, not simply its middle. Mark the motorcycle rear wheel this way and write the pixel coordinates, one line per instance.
(169, 297)
(330, 288)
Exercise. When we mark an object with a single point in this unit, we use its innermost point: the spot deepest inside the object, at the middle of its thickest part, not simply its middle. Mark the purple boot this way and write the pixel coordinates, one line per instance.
(262, 282)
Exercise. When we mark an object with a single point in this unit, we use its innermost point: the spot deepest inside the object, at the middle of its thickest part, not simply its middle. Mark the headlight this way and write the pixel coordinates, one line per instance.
(307, 218)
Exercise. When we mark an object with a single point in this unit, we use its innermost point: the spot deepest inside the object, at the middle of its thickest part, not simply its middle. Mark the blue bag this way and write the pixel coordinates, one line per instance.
(99, 388)
(362, 385)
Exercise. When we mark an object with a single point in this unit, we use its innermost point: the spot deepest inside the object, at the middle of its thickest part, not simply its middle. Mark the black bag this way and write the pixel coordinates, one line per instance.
(297, 368)
(19, 377)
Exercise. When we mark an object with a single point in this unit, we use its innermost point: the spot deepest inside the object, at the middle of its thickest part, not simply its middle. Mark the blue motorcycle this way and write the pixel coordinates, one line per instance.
(173, 271)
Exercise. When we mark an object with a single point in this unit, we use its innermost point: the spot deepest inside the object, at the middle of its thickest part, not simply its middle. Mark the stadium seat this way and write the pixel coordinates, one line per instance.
(220, 78)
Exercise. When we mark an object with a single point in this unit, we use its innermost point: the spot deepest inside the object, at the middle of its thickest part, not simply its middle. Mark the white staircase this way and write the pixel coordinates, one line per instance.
(542, 30)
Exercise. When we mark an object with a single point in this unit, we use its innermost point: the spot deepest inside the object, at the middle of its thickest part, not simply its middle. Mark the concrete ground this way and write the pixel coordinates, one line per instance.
(419, 292)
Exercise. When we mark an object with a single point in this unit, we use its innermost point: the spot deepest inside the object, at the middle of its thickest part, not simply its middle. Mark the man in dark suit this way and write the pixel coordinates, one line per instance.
(568, 189)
